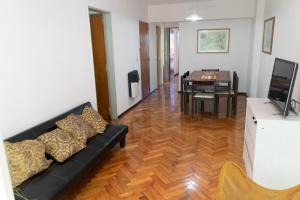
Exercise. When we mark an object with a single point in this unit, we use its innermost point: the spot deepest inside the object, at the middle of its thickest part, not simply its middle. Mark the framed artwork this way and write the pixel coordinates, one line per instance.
(268, 35)
(213, 40)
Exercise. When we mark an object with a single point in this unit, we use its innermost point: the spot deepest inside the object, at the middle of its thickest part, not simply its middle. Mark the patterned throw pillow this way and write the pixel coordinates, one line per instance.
(60, 145)
(79, 129)
(94, 119)
(25, 159)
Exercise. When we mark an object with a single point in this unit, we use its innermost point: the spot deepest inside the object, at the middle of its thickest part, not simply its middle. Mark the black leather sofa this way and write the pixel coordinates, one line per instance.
(55, 181)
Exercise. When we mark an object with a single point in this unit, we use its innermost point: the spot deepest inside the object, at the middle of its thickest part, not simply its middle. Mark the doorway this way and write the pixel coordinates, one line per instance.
(174, 61)
(144, 56)
(99, 57)
(169, 41)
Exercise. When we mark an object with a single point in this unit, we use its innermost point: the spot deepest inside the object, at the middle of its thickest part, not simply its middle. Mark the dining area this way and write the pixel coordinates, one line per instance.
(205, 90)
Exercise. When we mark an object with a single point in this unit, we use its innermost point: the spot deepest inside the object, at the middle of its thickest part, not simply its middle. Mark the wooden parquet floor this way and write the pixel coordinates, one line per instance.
(168, 155)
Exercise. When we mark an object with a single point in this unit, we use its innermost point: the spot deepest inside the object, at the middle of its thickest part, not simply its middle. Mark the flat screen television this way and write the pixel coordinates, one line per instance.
(282, 84)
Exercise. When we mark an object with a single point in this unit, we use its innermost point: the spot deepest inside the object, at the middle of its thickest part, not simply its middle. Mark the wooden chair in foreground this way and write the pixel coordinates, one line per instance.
(235, 185)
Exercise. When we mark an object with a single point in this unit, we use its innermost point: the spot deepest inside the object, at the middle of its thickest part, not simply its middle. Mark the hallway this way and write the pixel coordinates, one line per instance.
(168, 155)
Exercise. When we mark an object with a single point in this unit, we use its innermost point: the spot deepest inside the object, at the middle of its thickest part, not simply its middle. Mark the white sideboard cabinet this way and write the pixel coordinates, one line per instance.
(271, 145)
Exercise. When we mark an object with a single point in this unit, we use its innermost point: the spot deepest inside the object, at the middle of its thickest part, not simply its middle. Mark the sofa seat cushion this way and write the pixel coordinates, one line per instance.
(43, 186)
(67, 171)
(88, 157)
(111, 135)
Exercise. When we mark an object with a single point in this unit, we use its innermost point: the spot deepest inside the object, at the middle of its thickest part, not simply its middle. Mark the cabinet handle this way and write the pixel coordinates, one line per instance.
(254, 120)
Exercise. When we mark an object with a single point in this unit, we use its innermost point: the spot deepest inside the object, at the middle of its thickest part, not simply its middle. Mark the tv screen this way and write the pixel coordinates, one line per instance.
(282, 84)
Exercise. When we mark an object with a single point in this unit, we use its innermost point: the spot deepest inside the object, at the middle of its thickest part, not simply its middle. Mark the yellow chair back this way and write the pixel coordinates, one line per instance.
(235, 185)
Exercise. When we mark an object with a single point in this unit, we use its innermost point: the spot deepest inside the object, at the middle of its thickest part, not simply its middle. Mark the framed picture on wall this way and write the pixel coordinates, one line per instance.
(268, 35)
(213, 40)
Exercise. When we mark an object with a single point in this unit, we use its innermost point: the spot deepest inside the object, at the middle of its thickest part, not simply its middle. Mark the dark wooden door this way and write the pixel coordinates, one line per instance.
(98, 43)
(144, 55)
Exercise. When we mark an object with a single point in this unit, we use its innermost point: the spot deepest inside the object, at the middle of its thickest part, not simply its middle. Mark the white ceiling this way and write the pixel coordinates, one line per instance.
(157, 2)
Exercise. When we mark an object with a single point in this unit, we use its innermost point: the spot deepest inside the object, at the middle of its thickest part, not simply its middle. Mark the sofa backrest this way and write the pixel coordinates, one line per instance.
(47, 126)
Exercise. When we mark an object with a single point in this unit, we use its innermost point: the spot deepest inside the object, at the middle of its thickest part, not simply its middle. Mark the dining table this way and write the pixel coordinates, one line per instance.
(222, 80)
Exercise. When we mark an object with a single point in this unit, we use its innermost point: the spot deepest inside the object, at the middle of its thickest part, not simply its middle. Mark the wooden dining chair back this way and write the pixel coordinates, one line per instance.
(235, 82)
(199, 96)
(235, 88)
(185, 92)
(182, 91)
(197, 86)
(182, 77)
(210, 70)
(230, 93)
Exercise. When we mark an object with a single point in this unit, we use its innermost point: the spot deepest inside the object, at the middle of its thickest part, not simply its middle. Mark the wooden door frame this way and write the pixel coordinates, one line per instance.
(166, 67)
(109, 60)
(159, 56)
(145, 91)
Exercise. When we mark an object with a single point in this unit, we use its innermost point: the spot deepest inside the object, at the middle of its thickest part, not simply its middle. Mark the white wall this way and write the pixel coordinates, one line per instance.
(46, 63)
(286, 42)
(256, 44)
(161, 56)
(153, 56)
(217, 9)
(236, 60)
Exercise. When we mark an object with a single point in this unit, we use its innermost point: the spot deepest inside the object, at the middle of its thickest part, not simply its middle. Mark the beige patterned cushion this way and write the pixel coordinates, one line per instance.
(25, 159)
(60, 145)
(94, 119)
(79, 129)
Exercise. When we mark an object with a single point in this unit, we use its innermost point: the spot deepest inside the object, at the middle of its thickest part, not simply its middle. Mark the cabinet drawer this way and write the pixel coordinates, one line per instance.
(250, 152)
(248, 164)
(249, 141)
(251, 125)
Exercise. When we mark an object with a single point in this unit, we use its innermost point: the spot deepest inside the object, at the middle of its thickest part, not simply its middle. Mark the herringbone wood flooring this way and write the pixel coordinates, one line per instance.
(168, 155)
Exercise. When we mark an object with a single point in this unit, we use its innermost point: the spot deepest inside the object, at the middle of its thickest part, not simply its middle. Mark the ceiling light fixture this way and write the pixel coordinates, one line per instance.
(194, 18)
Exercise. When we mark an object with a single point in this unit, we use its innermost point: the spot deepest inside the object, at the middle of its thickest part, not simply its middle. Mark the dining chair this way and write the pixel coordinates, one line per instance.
(199, 96)
(210, 70)
(235, 88)
(185, 91)
(230, 93)
(187, 87)
(182, 91)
